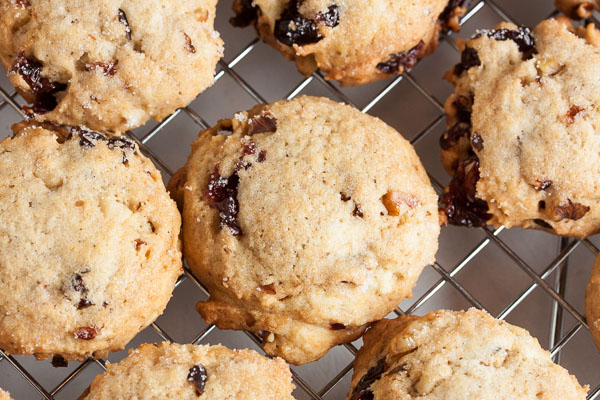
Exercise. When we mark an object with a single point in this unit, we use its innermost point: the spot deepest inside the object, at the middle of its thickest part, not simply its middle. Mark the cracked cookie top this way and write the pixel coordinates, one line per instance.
(109, 65)
(522, 140)
(306, 219)
(351, 41)
(89, 247)
(453, 355)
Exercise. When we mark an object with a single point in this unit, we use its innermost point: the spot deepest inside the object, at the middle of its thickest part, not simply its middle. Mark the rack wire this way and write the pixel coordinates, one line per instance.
(550, 279)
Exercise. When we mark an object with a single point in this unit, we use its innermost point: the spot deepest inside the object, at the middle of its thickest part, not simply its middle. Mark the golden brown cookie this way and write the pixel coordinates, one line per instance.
(175, 371)
(351, 41)
(306, 220)
(452, 355)
(109, 65)
(522, 138)
(89, 246)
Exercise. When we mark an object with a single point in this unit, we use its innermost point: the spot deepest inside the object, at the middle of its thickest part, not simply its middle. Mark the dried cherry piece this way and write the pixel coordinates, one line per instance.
(460, 203)
(87, 138)
(198, 377)
(268, 289)
(294, 28)
(58, 361)
(124, 21)
(262, 124)
(361, 390)
(121, 142)
(189, 46)
(464, 108)
(477, 141)
(406, 59)
(246, 13)
(221, 193)
(523, 37)
(468, 58)
(108, 69)
(86, 333)
(571, 210)
(43, 88)
(329, 18)
(249, 147)
(336, 326)
(262, 156)
(357, 212)
(84, 303)
(449, 9)
(542, 184)
(77, 284)
(453, 134)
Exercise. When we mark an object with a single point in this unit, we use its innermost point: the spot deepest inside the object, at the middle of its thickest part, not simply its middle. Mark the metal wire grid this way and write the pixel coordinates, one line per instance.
(558, 266)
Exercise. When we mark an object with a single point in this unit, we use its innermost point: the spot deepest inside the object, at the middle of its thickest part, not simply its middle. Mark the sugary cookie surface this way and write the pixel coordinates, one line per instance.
(89, 248)
(174, 371)
(522, 142)
(109, 65)
(453, 355)
(307, 220)
(352, 41)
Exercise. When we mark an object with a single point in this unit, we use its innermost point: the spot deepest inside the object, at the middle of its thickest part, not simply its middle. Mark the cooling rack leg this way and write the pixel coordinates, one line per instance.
(560, 282)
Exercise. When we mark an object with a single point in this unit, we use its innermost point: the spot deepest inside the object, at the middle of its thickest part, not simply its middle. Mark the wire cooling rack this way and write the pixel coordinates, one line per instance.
(528, 278)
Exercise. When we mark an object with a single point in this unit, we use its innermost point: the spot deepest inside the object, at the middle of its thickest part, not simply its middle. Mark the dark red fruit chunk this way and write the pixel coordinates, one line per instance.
(262, 124)
(78, 285)
(463, 106)
(249, 147)
(121, 142)
(221, 193)
(361, 390)
(108, 69)
(58, 361)
(468, 58)
(542, 184)
(336, 326)
(86, 333)
(571, 210)
(246, 13)
(294, 28)
(189, 46)
(87, 138)
(453, 134)
(447, 13)
(84, 303)
(198, 377)
(523, 37)
(460, 203)
(477, 141)
(573, 111)
(329, 18)
(262, 156)
(43, 88)
(358, 212)
(406, 59)
(124, 21)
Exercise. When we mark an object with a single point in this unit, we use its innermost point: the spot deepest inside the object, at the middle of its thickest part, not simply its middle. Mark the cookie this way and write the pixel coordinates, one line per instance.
(523, 121)
(4, 395)
(577, 9)
(454, 355)
(175, 371)
(351, 41)
(89, 242)
(105, 64)
(592, 302)
(306, 221)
